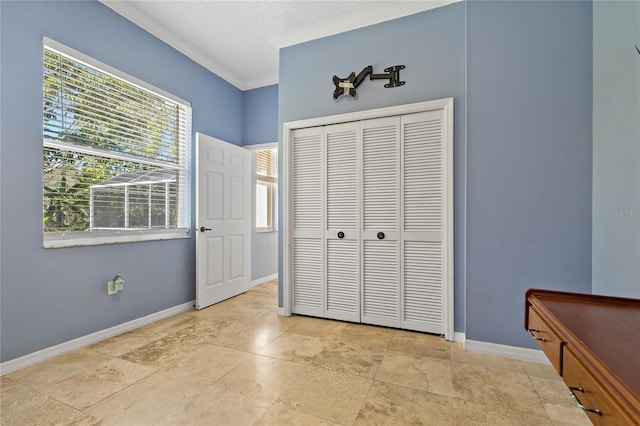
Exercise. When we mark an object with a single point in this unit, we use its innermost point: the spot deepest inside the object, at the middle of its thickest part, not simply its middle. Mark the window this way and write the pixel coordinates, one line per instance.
(266, 188)
(116, 155)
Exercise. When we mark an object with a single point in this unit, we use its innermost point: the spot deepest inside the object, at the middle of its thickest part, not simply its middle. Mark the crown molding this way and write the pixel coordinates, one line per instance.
(339, 25)
(131, 13)
(266, 80)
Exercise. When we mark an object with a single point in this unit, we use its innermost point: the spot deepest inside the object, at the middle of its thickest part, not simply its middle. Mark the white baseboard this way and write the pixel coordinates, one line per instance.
(84, 341)
(458, 337)
(516, 352)
(264, 279)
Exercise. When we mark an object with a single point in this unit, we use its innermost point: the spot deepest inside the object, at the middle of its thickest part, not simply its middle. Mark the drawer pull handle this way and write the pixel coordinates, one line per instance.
(531, 330)
(575, 398)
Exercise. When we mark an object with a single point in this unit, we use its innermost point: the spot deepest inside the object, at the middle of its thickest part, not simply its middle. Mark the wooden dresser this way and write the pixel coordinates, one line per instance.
(593, 342)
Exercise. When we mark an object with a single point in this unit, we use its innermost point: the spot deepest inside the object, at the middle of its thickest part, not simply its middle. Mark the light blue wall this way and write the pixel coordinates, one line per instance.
(260, 118)
(616, 148)
(520, 73)
(529, 159)
(430, 44)
(260, 115)
(55, 295)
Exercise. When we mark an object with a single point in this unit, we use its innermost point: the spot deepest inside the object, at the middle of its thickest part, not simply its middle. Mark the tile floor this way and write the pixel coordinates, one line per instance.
(238, 363)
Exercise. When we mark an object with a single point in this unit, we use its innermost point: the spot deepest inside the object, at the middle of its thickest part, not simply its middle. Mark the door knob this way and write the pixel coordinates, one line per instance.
(340, 234)
(203, 229)
(380, 235)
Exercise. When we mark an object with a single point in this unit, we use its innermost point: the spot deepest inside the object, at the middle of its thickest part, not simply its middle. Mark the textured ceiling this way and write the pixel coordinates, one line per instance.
(239, 40)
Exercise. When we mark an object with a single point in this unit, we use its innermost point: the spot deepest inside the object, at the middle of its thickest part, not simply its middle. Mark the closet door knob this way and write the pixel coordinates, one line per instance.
(380, 235)
(341, 235)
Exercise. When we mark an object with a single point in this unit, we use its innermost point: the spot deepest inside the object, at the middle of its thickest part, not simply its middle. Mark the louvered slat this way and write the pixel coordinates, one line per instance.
(380, 178)
(307, 182)
(342, 180)
(342, 280)
(380, 282)
(423, 297)
(307, 275)
(423, 176)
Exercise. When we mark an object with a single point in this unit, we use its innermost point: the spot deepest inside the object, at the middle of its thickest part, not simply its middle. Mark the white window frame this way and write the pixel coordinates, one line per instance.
(270, 207)
(273, 192)
(98, 237)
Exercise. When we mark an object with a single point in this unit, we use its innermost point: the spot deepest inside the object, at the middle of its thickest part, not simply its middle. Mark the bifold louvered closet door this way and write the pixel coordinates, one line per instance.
(342, 233)
(380, 226)
(368, 221)
(308, 221)
(423, 225)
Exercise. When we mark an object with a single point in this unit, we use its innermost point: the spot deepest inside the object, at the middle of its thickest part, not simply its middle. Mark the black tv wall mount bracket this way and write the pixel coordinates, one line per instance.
(347, 86)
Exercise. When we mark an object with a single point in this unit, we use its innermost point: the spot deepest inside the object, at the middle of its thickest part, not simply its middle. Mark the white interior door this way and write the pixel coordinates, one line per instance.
(223, 220)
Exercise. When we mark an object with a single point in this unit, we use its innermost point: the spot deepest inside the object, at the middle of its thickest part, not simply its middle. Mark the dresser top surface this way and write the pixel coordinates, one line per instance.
(608, 326)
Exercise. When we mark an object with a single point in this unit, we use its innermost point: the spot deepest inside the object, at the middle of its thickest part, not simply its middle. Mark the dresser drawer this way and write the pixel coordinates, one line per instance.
(548, 340)
(591, 395)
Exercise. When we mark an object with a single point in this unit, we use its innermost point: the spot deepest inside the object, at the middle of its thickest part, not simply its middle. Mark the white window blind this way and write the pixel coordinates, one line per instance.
(267, 180)
(116, 154)
(267, 165)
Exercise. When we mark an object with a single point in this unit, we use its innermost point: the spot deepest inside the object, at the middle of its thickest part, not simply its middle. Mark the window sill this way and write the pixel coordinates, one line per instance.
(95, 238)
(265, 230)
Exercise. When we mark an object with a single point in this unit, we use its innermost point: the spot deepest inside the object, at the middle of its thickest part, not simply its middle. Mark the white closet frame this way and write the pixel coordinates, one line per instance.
(446, 105)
